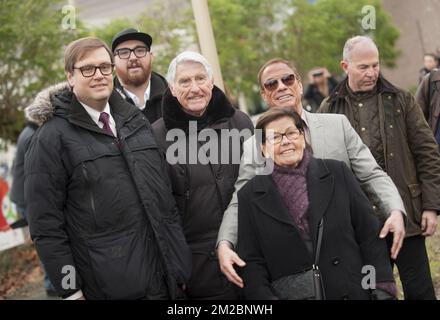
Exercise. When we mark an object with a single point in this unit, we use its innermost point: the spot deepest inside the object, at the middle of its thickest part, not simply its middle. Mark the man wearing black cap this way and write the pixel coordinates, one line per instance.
(135, 80)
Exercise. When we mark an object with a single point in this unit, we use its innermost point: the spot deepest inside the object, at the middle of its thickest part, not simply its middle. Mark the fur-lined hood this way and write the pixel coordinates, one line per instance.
(42, 109)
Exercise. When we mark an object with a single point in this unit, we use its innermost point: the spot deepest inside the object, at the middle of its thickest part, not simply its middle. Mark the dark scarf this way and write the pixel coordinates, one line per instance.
(292, 185)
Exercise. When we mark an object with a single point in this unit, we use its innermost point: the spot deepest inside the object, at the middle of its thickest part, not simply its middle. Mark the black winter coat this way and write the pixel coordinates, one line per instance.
(153, 106)
(17, 188)
(203, 191)
(103, 205)
(272, 247)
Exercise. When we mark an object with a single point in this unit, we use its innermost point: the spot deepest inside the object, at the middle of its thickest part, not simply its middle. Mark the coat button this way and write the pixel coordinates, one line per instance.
(391, 126)
(335, 261)
(361, 104)
(212, 254)
(218, 176)
(363, 129)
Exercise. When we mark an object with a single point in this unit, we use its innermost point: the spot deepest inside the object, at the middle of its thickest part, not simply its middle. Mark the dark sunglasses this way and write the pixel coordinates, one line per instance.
(272, 84)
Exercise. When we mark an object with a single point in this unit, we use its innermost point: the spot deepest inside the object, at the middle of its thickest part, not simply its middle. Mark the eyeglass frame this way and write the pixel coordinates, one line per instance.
(116, 53)
(287, 80)
(96, 67)
(272, 141)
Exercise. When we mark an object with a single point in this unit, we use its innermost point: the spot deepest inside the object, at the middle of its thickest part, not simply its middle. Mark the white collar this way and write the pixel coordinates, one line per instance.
(94, 114)
(135, 98)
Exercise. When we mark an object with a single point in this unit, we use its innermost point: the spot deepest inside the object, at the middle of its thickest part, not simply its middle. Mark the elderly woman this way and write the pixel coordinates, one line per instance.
(202, 177)
(279, 216)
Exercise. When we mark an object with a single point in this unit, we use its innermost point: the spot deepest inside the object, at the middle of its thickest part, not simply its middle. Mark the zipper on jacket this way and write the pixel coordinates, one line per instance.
(92, 199)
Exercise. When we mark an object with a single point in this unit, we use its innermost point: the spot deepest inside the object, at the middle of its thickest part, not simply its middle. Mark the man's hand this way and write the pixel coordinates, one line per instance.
(396, 225)
(227, 258)
(429, 222)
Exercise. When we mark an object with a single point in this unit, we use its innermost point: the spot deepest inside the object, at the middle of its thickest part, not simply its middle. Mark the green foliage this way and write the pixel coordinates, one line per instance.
(32, 41)
(247, 33)
(317, 32)
(250, 32)
(170, 34)
(108, 31)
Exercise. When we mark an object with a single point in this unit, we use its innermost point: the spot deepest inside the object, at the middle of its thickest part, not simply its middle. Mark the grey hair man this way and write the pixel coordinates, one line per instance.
(392, 125)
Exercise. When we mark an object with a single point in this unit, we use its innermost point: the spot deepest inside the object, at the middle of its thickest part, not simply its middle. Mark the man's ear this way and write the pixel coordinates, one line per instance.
(344, 65)
(70, 79)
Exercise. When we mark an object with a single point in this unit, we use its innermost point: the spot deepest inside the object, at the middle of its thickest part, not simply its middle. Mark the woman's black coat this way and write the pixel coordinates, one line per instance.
(270, 243)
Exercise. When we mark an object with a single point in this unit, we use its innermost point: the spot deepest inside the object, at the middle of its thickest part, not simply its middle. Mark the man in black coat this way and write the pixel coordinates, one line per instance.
(100, 207)
(135, 81)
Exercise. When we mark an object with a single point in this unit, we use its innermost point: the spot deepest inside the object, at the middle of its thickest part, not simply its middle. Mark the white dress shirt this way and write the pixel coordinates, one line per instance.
(94, 114)
(136, 99)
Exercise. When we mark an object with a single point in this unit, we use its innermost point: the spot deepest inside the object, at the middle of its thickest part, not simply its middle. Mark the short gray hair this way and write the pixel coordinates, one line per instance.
(187, 56)
(353, 42)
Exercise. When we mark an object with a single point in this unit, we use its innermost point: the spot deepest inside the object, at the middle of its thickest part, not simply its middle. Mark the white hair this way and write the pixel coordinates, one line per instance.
(351, 43)
(186, 56)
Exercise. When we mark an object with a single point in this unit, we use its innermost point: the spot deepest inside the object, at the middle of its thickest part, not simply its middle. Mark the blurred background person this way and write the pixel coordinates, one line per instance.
(429, 63)
(321, 84)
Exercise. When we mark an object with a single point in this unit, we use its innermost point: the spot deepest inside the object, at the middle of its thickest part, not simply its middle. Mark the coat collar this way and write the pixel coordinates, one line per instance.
(341, 92)
(435, 75)
(121, 111)
(157, 82)
(320, 186)
(219, 110)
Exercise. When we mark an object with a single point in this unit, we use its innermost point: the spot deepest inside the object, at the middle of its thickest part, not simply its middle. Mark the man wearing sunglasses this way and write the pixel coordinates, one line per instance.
(135, 80)
(331, 137)
(101, 210)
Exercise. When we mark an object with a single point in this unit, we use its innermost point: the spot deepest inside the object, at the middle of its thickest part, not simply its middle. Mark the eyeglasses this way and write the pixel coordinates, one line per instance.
(89, 71)
(291, 135)
(139, 52)
(272, 84)
(200, 79)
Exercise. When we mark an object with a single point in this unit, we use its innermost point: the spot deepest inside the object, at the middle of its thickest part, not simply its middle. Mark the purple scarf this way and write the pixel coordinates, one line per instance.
(292, 185)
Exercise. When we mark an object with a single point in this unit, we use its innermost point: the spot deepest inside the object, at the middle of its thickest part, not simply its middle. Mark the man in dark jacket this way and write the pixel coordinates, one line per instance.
(428, 97)
(135, 81)
(392, 125)
(204, 174)
(101, 211)
(17, 188)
